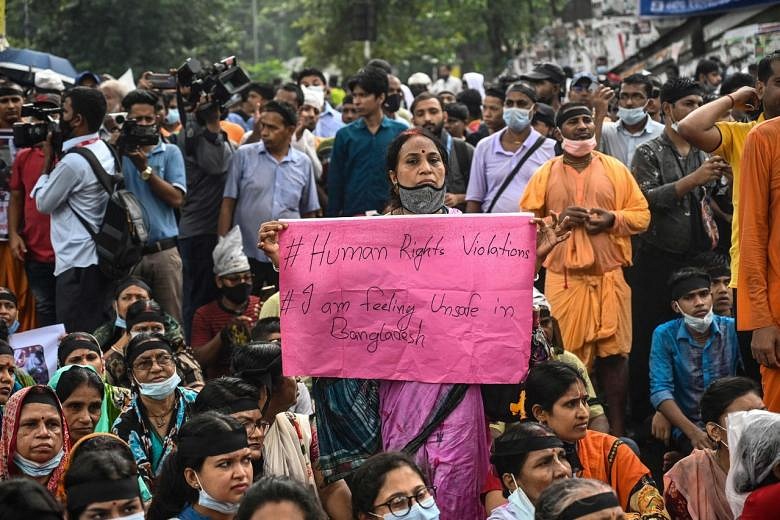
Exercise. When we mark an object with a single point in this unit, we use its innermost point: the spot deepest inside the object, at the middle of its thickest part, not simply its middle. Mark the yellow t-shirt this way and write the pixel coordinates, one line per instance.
(733, 135)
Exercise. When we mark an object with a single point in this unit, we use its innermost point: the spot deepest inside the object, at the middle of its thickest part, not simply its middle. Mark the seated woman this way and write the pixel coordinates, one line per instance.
(555, 395)
(102, 481)
(349, 410)
(80, 348)
(114, 336)
(80, 390)
(35, 440)
(757, 466)
(159, 406)
(208, 474)
(12, 379)
(279, 497)
(241, 400)
(290, 447)
(390, 485)
(528, 457)
(695, 487)
(578, 498)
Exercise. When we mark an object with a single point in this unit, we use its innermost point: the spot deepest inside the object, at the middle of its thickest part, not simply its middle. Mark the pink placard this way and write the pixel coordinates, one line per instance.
(435, 298)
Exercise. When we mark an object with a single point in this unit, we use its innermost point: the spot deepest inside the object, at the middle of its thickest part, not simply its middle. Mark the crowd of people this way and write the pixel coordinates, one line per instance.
(653, 389)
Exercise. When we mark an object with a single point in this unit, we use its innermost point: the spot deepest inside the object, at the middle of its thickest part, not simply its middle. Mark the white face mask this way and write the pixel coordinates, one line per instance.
(209, 502)
(521, 504)
(135, 516)
(700, 325)
(160, 390)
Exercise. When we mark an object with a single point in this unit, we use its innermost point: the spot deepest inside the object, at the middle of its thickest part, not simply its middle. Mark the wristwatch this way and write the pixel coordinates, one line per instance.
(146, 173)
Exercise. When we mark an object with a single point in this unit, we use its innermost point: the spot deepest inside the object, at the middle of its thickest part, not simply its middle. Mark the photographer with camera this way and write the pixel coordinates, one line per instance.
(28, 228)
(67, 191)
(154, 172)
(207, 153)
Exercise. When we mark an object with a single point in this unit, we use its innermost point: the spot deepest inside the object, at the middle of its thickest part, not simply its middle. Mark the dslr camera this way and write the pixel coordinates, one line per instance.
(135, 136)
(221, 82)
(27, 135)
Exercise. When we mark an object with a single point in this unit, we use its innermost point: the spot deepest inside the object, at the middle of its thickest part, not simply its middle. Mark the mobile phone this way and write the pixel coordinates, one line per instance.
(162, 81)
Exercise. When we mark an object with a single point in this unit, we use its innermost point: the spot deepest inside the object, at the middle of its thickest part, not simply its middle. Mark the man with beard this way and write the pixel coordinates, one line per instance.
(427, 113)
(548, 79)
(598, 197)
(70, 189)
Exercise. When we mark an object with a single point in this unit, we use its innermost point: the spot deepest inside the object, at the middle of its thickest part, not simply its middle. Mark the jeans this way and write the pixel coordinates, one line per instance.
(198, 285)
(40, 276)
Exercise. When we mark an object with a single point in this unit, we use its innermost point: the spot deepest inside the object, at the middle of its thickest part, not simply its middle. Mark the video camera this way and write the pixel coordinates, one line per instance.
(136, 136)
(27, 135)
(221, 82)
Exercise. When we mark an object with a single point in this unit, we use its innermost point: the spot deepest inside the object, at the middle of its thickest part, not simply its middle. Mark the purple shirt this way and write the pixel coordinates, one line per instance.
(492, 164)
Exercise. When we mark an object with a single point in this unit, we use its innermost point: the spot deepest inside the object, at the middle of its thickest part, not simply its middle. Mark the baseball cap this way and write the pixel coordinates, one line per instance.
(584, 75)
(545, 114)
(549, 71)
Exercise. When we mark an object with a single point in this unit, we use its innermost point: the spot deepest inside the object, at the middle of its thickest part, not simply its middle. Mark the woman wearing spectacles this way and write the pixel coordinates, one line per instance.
(159, 407)
(242, 401)
(390, 485)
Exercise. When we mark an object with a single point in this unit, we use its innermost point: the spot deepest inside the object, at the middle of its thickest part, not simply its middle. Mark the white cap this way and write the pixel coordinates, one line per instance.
(313, 97)
(229, 254)
(419, 78)
(540, 300)
(48, 80)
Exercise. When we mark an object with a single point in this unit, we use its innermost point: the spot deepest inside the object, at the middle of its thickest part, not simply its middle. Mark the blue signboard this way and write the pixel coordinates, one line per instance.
(693, 7)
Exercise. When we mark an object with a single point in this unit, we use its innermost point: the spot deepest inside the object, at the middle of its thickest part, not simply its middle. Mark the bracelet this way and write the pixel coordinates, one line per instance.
(733, 103)
(274, 266)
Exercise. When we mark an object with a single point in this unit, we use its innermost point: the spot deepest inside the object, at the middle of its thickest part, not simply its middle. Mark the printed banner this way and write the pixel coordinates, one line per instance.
(434, 298)
(35, 351)
(693, 7)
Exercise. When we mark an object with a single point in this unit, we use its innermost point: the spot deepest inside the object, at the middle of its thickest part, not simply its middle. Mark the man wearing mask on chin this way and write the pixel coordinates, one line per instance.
(605, 207)
(505, 161)
(226, 322)
(688, 354)
(633, 127)
(677, 180)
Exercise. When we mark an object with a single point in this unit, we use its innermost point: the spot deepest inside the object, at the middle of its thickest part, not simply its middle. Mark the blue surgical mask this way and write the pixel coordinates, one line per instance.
(38, 469)
(13, 327)
(207, 501)
(601, 69)
(631, 116)
(173, 117)
(120, 322)
(135, 516)
(418, 512)
(517, 119)
(521, 506)
(161, 390)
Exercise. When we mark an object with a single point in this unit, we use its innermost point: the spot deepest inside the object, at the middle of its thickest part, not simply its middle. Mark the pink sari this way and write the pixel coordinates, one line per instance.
(701, 483)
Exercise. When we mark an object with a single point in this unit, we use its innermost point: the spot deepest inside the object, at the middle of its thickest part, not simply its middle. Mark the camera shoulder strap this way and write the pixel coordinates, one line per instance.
(539, 142)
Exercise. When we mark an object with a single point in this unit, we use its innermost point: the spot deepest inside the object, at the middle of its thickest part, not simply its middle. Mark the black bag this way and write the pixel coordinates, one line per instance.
(123, 232)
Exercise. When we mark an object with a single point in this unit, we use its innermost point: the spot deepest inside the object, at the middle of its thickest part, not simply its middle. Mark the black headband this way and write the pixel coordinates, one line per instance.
(687, 285)
(588, 505)
(513, 447)
(81, 495)
(139, 348)
(218, 443)
(147, 314)
(7, 295)
(132, 282)
(242, 405)
(7, 90)
(567, 113)
(69, 345)
(5, 349)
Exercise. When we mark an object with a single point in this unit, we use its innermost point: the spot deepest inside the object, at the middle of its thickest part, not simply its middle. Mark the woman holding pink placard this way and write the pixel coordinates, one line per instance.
(442, 426)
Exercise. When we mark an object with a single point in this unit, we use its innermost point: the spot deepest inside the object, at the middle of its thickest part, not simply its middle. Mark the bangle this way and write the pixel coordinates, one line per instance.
(275, 267)
(733, 103)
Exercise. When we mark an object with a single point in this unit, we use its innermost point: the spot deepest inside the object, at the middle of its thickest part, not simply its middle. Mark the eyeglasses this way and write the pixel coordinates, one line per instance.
(163, 361)
(251, 426)
(400, 506)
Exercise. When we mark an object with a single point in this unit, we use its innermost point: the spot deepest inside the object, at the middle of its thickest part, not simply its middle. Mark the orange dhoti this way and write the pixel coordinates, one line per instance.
(593, 311)
(13, 276)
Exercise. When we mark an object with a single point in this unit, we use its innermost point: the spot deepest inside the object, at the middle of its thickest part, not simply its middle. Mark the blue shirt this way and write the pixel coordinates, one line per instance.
(235, 117)
(73, 186)
(329, 122)
(267, 189)
(168, 164)
(621, 144)
(357, 176)
(189, 513)
(681, 369)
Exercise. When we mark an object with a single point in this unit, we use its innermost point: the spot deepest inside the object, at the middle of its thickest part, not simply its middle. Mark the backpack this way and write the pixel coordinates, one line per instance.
(123, 232)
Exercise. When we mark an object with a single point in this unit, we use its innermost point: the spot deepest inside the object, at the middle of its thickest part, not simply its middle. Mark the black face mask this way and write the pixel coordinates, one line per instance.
(237, 294)
(393, 103)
